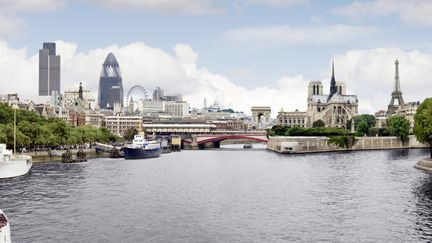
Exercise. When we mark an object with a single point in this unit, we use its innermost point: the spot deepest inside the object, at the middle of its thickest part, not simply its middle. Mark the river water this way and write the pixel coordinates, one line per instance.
(225, 195)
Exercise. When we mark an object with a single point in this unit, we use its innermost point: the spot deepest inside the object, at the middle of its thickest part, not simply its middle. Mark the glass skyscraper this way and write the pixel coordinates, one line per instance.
(49, 70)
(110, 83)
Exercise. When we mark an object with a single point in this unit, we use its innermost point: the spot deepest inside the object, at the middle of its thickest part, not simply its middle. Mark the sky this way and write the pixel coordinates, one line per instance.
(241, 53)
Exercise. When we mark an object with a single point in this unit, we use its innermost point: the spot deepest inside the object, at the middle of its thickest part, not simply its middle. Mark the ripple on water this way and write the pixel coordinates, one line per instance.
(226, 195)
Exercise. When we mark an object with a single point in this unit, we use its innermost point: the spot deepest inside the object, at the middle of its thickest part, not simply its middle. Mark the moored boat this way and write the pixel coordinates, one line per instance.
(248, 146)
(13, 165)
(4, 228)
(142, 149)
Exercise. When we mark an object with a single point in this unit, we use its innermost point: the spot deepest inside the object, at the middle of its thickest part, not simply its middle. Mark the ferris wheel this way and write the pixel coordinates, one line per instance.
(137, 92)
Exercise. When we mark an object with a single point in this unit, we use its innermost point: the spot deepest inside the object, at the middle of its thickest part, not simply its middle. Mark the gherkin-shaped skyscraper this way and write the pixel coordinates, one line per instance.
(110, 83)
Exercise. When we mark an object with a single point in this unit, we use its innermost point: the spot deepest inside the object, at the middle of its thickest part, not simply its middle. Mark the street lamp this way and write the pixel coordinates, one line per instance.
(15, 107)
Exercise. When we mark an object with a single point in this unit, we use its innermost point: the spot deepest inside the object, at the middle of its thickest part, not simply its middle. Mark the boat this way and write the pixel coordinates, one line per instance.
(247, 146)
(142, 149)
(4, 228)
(13, 165)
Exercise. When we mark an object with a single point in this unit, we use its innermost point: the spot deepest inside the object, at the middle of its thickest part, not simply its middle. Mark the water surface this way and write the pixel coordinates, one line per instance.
(226, 195)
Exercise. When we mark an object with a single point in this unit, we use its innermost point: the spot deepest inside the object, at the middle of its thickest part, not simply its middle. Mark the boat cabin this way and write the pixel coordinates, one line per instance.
(5, 154)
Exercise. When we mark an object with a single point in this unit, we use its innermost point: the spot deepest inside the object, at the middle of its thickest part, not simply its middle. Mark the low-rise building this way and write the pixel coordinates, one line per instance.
(177, 108)
(120, 124)
(293, 118)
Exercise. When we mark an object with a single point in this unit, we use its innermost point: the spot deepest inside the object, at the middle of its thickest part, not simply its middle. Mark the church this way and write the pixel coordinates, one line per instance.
(334, 109)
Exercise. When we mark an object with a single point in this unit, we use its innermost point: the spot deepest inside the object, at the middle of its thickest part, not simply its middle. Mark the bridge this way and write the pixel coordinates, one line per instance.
(199, 135)
(202, 141)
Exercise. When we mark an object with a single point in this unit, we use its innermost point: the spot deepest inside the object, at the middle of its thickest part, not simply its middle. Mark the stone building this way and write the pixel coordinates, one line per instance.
(334, 109)
(293, 118)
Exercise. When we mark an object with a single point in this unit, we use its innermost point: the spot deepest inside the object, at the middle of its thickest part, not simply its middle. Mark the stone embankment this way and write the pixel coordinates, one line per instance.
(44, 156)
(322, 144)
(424, 164)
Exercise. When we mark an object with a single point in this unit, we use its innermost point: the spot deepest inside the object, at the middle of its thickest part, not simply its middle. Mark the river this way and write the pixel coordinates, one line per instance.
(225, 195)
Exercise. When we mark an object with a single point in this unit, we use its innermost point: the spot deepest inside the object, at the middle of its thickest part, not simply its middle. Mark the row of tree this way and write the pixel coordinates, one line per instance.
(34, 130)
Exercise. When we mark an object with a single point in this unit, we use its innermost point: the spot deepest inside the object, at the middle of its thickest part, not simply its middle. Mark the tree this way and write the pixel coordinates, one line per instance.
(318, 123)
(369, 119)
(363, 128)
(399, 126)
(130, 133)
(423, 123)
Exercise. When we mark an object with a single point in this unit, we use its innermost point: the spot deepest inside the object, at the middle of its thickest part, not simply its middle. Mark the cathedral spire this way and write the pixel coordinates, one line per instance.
(333, 88)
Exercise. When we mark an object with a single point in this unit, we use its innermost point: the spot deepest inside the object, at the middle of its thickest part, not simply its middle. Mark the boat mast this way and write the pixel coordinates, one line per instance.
(14, 131)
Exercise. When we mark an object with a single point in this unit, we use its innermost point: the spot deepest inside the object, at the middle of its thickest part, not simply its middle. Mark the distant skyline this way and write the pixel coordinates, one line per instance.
(244, 52)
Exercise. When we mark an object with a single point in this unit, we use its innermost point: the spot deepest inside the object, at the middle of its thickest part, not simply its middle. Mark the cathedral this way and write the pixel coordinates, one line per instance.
(334, 109)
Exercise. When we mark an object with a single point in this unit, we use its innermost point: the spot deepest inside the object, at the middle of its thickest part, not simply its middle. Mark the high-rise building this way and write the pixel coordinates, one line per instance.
(110, 84)
(158, 94)
(49, 70)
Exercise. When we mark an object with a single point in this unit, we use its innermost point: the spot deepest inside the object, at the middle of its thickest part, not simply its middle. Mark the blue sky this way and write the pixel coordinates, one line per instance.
(252, 43)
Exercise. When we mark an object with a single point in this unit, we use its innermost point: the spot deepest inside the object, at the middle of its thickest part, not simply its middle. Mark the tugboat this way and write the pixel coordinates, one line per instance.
(142, 149)
(4, 229)
(13, 166)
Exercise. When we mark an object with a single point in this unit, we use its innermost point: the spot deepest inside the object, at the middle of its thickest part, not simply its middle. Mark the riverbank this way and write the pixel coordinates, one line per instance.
(424, 164)
(292, 145)
(43, 156)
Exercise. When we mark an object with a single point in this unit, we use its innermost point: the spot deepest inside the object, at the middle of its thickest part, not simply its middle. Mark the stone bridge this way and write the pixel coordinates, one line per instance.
(213, 140)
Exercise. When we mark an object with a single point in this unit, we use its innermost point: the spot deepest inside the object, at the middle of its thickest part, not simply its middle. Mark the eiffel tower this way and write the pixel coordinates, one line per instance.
(396, 94)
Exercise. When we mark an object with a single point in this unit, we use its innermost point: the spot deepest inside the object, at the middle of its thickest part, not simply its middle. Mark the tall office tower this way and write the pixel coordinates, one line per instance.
(158, 94)
(110, 83)
(49, 70)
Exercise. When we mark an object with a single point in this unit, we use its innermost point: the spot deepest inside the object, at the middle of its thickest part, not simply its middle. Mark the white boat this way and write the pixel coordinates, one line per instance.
(12, 165)
(4, 228)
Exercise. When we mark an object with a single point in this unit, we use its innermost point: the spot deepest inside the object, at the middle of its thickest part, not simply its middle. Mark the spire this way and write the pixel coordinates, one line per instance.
(80, 92)
(333, 88)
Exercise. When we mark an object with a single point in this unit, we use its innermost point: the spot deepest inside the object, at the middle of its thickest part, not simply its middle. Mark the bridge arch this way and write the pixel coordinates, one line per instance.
(225, 137)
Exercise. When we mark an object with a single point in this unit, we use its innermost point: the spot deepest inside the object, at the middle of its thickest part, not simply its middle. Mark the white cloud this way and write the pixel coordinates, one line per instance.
(368, 73)
(286, 34)
(30, 5)
(414, 12)
(149, 67)
(276, 2)
(165, 6)
(11, 24)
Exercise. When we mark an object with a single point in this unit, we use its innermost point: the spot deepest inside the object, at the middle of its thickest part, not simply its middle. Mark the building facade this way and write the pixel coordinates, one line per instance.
(177, 108)
(120, 124)
(110, 84)
(49, 70)
(293, 118)
(335, 108)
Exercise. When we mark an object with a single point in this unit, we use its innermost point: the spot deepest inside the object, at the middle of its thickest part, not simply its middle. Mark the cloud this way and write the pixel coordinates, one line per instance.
(11, 24)
(286, 34)
(30, 5)
(415, 12)
(149, 67)
(370, 75)
(276, 2)
(164, 6)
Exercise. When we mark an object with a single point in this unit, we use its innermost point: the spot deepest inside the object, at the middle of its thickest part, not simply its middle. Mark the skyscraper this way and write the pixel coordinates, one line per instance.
(49, 70)
(110, 83)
